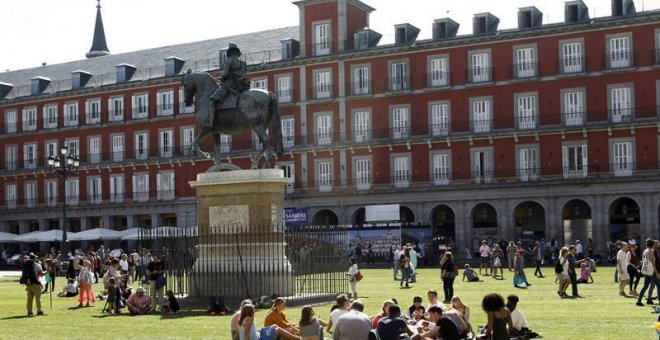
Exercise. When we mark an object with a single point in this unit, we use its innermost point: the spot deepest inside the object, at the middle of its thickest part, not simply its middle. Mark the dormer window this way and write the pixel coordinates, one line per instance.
(125, 72)
(485, 23)
(39, 85)
(290, 48)
(173, 66)
(405, 34)
(79, 79)
(529, 17)
(575, 11)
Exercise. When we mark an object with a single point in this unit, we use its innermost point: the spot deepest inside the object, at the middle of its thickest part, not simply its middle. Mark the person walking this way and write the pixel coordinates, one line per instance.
(519, 277)
(404, 264)
(622, 268)
(86, 279)
(650, 271)
(484, 252)
(572, 275)
(352, 272)
(156, 270)
(448, 274)
(511, 250)
(562, 276)
(396, 255)
(538, 258)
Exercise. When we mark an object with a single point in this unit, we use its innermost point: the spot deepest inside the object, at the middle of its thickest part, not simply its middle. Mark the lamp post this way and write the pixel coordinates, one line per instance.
(63, 166)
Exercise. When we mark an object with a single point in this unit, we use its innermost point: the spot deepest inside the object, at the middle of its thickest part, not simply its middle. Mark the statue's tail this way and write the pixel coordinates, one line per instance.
(277, 125)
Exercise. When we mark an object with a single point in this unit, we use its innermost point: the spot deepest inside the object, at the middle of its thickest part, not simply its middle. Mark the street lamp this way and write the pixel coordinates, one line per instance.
(63, 166)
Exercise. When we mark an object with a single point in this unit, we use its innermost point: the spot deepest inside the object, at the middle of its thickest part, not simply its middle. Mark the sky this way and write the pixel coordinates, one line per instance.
(57, 31)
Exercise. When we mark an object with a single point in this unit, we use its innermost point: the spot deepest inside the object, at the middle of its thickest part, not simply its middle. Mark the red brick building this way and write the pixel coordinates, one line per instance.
(548, 130)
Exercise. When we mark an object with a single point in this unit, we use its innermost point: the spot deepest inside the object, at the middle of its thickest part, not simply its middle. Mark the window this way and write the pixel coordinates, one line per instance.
(619, 54)
(321, 39)
(440, 171)
(260, 83)
(30, 119)
(324, 176)
(93, 111)
(225, 143)
(399, 80)
(528, 162)
(479, 67)
(141, 145)
(10, 195)
(401, 171)
(94, 195)
(51, 149)
(481, 115)
(573, 107)
(574, 160)
(30, 194)
(50, 117)
(141, 187)
(116, 188)
(166, 141)
(621, 106)
(73, 145)
(400, 122)
(117, 148)
(361, 82)
(363, 174)
(140, 106)
(525, 63)
(71, 114)
(323, 129)
(526, 111)
(182, 103)
(439, 119)
(71, 192)
(284, 89)
(165, 184)
(622, 154)
(438, 71)
(51, 193)
(482, 165)
(10, 122)
(322, 85)
(11, 157)
(187, 138)
(571, 59)
(361, 126)
(30, 155)
(116, 109)
(94, 150)
(288, 132)
(165, 102)
(290, 173)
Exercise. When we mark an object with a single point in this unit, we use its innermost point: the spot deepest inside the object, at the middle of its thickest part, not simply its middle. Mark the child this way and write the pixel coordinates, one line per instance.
(112, 296)
(69, 290)
(172, 305)
(585, 274)
(470, 274)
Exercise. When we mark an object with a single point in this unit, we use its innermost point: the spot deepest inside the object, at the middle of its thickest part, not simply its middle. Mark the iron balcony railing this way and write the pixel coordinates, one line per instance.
(286, 96)
(325, 91)
(438, 79)
(568, 65)
(395, 84)
(358, 88)
(477, 75)
(617, 60)
(523, 70)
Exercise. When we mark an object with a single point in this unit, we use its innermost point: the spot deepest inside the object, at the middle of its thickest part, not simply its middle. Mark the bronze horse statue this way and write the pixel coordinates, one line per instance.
(257, 110)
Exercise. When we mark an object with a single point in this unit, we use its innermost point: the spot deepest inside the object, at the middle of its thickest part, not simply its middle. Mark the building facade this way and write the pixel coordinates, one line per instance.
(546, 131)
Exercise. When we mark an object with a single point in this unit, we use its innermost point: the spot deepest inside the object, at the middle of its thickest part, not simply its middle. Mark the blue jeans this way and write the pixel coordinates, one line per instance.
(649, 280)
(405, 276)
(448, 287)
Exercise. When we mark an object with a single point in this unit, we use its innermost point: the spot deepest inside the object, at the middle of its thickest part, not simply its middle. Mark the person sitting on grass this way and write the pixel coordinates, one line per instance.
(69, 290)
(343, 305)
(520, 326)
(233, 323)
(391, 327)
(417, 304)
(470, 274)
(311, 327)
(585, 274)
(139, 303)
(172, 305)
(445, 326)
(277, 317)
(384, 312)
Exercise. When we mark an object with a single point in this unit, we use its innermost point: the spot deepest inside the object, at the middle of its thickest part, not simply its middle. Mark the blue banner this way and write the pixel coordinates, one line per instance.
(295, 217)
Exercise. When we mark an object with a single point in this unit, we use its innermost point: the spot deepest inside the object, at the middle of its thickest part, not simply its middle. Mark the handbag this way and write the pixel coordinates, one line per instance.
(647, 267)
(358, 276)
(497, 262)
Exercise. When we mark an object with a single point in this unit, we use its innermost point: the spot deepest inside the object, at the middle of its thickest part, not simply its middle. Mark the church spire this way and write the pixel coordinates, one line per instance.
(99, 46)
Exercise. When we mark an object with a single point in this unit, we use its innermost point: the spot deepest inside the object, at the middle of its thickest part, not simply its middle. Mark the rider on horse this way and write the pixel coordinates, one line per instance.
(233, 78)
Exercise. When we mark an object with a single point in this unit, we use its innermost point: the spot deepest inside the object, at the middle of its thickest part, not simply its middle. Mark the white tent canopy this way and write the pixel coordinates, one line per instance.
(41, 236)
(7, 237)
(95, 234)
(131, 234)
(134, 233)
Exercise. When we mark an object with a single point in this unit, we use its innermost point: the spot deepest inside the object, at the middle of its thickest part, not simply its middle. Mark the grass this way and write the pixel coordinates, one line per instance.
(601, 314)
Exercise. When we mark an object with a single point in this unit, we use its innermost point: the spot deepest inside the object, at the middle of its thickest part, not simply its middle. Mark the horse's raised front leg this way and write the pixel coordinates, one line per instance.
(195, 143)
(265, 147)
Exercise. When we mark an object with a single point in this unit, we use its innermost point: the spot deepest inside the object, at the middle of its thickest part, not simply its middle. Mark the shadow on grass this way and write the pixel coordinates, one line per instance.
(16, 317)
(189, 313)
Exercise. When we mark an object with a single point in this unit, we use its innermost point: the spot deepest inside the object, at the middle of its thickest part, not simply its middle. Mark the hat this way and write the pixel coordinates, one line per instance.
(140, 290)
(578, 241)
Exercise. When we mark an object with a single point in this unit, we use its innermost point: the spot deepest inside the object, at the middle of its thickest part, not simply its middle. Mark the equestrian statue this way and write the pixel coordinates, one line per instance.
(231, 108)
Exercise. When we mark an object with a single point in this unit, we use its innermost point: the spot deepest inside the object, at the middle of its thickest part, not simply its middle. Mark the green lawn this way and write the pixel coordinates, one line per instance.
(601, 314)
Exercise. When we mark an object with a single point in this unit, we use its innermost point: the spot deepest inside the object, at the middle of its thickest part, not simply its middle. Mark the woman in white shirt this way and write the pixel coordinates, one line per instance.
(563, 278)
(351, 276)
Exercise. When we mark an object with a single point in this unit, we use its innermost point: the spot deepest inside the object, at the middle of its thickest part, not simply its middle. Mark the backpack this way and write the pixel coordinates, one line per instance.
(558, 267)
(267, 333)
(28, 276)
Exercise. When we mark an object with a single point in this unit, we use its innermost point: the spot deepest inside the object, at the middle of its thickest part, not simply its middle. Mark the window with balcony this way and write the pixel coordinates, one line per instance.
(619, 52)
(324, 176)
(165, 102)
(284, 89)
(573, 107)
(260, 83)
(525, 62)
(71, 191)
(10, 122)
(399, 76)
(165, 184)
(141, 145)
(50, 117)
(526, 111)
(94, 148)
(30, 119)
(166, 143)
(289, 132)
(117, 148)
(438, 74)
(74, 146)
(481, 114)
(30, 194)
(479, 68)
(482, 165)
(323, 129)
(141, 187)
(290, 173)
(182, 103)
(362, 174)
(571, 59)
(622, 154)
(574, 160)
(321, 39)
(528, 162)
(400, 122)
(440, 168)
(116, 109)
(117, 188)
(11, 157)
(621, 103)
(10, 195)
(30, 156)
(94, 190)
(93, 111)
(51, 149)
(322, 84)
(401, 171)
(50, 192)
(361, 126)
(71, 114)
(187, 138)
(361, 83)
(140, 109)
(439, 118)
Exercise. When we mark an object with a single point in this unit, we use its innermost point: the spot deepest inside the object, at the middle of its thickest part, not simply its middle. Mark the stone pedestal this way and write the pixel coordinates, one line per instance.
(241, 239)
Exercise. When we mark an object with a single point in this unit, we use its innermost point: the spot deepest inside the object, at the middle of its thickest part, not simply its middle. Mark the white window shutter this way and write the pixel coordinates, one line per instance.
(564, 159)
(585, 160)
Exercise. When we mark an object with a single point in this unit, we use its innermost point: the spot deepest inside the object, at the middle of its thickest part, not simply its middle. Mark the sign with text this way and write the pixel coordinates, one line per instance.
(295, 217)
(383, 212)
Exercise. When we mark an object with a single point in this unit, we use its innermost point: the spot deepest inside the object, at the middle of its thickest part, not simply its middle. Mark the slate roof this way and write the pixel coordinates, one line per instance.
(257, 48)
